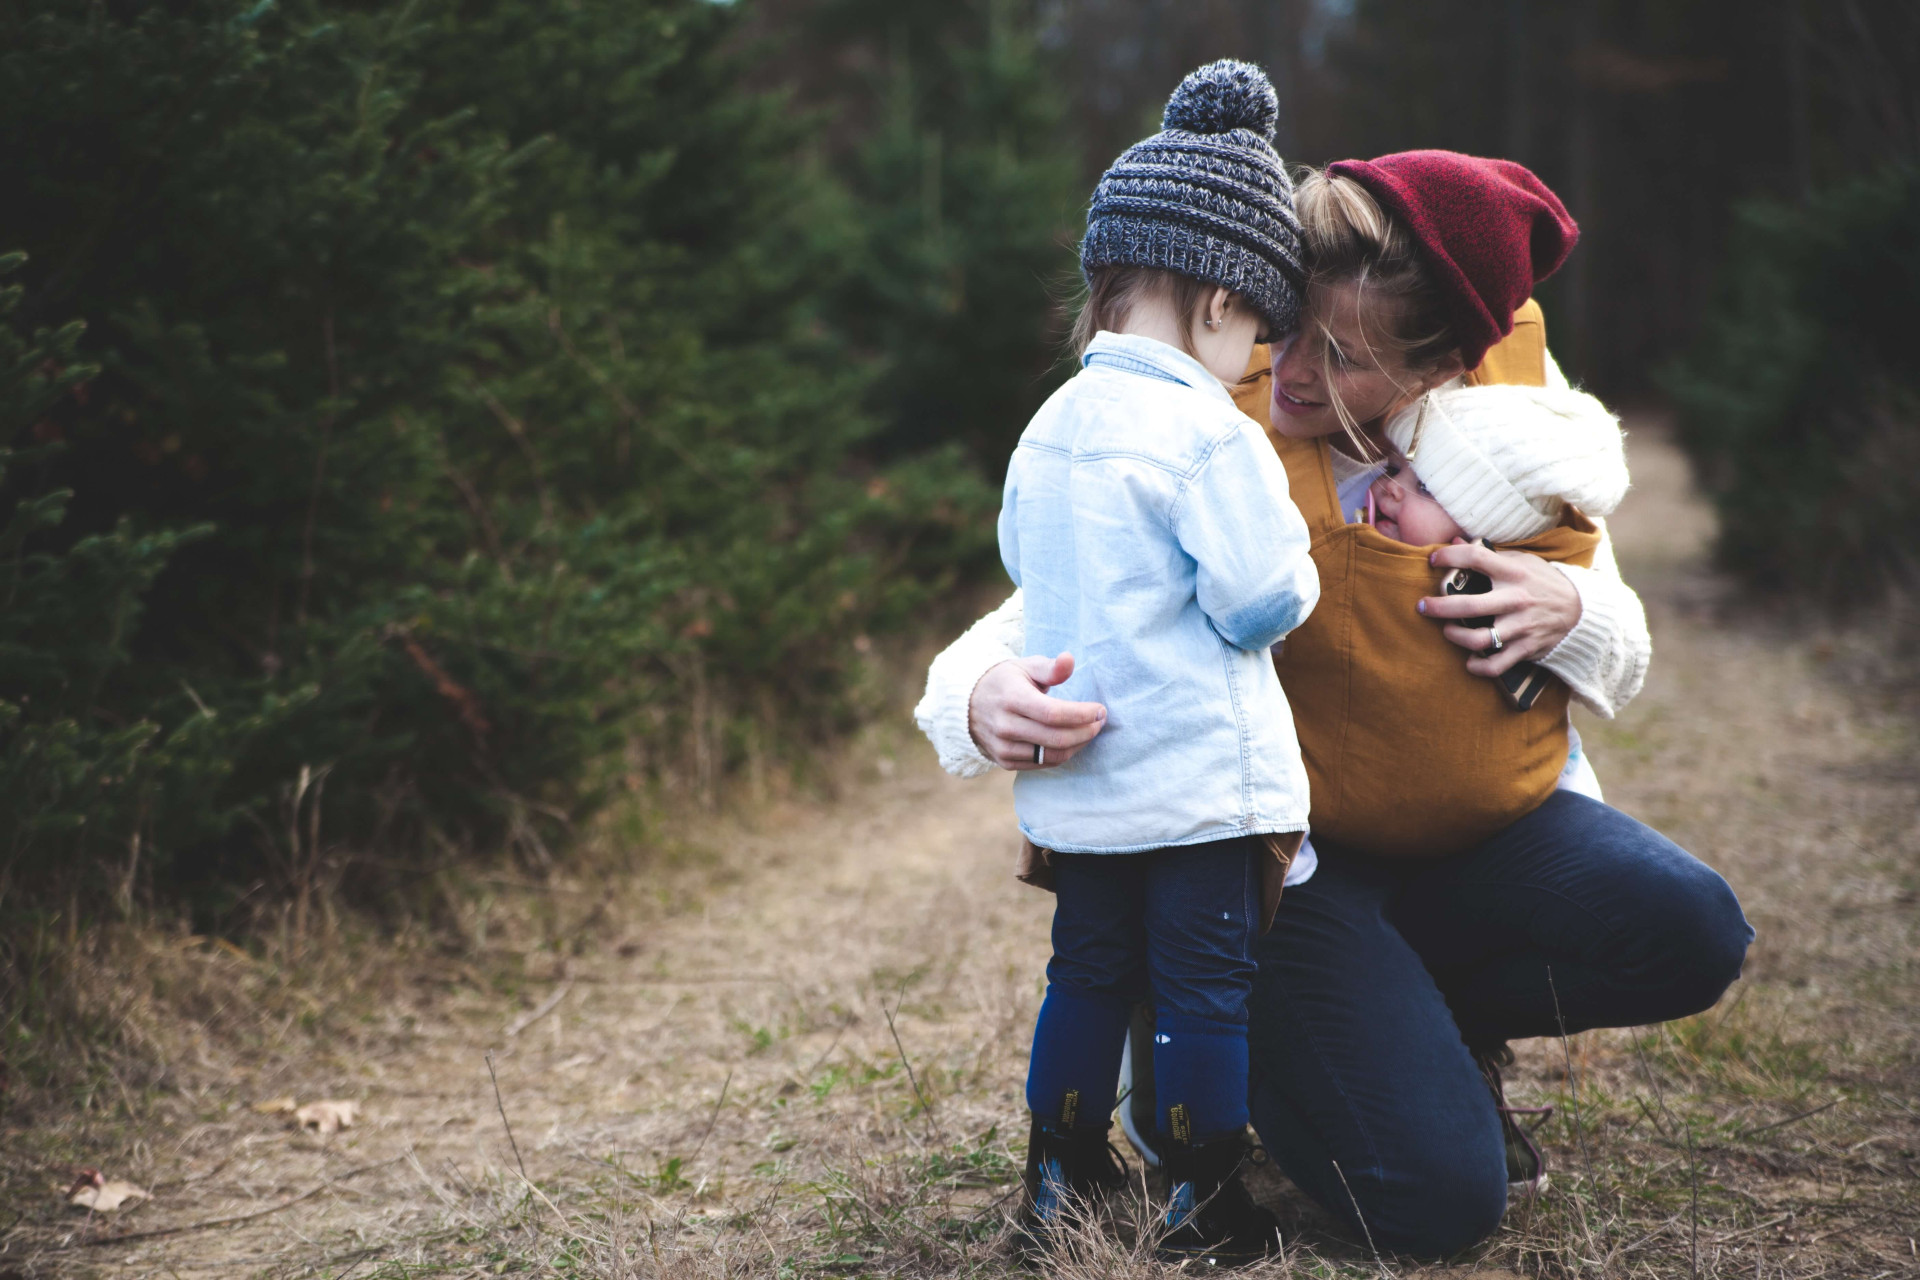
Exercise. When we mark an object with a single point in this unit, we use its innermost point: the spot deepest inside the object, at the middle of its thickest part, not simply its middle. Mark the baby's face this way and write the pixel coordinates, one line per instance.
(1405, 511)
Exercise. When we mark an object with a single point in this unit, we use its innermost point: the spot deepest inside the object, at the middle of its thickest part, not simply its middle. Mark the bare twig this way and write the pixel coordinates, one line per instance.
(713, 1119)
(518, 431)
(1573, 1081)
(1693, 1161)
(1579, 1124)
(837, 1036)
(925, 1106)
(1755, 1229)
(545, 1007)
(1693, 1209)
(1693, 1176)
(1659, 1095)
(477, 507)
(233, 1220)
(1781, 1124)
(1361, 1218)
(507, 1124)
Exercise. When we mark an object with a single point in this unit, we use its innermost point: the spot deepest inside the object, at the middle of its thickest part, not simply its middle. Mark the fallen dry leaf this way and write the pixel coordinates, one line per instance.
(327, 1117)
(91, 1190)
(280, 1106)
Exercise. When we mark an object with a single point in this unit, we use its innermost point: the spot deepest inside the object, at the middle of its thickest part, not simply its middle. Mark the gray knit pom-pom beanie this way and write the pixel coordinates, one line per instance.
(1207, 197)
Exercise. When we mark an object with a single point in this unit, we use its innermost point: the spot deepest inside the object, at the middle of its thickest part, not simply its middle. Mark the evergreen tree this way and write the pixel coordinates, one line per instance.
(971, 195)
(462, 405)
(1801, 400)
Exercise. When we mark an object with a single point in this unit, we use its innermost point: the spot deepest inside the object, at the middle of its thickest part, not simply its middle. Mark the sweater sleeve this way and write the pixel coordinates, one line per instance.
(1556, 377)
(1604, 658)
(951, 677)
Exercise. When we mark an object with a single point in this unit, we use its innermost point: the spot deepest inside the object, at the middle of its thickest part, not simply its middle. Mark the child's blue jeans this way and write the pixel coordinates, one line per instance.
(1178, 924)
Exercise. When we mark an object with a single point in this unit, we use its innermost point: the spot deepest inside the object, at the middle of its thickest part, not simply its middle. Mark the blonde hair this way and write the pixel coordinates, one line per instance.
(1112, 293)
(1350, 239)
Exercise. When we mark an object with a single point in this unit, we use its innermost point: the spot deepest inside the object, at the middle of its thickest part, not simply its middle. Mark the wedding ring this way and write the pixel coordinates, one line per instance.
(1039, 754)
(1498, 644)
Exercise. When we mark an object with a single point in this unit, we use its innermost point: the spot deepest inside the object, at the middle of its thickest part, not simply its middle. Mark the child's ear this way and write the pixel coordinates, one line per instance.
(1219, 303)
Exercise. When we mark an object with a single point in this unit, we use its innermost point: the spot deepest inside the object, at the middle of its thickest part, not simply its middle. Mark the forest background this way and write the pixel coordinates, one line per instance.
(436, 430)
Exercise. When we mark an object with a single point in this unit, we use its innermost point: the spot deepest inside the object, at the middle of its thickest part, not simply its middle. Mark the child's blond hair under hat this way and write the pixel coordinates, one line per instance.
(1504, 461)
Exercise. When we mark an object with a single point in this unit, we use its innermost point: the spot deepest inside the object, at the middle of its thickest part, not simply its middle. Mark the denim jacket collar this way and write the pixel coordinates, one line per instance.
(1152, 358)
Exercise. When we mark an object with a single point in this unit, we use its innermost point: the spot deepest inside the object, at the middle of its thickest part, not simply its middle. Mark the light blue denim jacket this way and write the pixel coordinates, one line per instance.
(1148, 523)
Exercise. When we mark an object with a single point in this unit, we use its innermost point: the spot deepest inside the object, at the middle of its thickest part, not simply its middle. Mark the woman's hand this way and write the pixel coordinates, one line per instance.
(1533, 606)
(1010, 713)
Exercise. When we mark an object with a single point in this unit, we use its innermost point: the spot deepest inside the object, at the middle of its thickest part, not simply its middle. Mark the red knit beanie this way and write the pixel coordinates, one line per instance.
(1489, 229)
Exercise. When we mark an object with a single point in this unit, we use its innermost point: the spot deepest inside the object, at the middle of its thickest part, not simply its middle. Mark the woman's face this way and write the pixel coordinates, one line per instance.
(1303, 399)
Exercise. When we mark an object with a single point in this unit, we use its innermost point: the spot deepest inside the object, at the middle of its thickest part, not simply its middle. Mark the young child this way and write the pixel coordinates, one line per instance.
(1422, 758)
(1148, 522)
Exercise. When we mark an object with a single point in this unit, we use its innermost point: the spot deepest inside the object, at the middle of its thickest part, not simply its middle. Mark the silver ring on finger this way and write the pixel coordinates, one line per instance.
(1495, 644)
(1039, 754)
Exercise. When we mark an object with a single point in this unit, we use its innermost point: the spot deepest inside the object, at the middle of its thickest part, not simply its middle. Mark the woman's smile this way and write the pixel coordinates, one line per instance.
(1293, 405)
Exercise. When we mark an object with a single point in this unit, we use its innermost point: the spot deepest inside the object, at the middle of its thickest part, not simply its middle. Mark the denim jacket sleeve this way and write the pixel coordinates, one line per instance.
(1255, 580)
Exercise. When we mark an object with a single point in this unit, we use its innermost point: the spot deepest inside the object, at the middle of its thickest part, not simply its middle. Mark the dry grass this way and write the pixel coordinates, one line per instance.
(795, 1046)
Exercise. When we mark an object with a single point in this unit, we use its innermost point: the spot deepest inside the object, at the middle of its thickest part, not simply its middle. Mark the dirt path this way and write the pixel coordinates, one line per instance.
(774, 989)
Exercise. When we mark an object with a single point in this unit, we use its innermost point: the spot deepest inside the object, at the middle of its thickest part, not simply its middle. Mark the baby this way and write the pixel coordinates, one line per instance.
(1400, 505)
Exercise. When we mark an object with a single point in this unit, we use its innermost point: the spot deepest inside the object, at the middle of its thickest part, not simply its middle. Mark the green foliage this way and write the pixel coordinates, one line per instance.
(64, 633)
(970, 189)
(1802, 402)
(456, 416)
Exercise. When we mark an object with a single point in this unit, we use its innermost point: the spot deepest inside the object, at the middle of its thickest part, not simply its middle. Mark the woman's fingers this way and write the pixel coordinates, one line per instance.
(1011, 747)
(1534, 607)
(1014, 747)
(1493, 603)
(1009, 714)
(1497, 565)
(1025, 732)
(1477, 641)
(1525, 633)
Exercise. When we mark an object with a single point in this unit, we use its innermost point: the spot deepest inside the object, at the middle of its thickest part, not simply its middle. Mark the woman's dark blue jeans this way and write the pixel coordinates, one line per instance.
(1378, 974)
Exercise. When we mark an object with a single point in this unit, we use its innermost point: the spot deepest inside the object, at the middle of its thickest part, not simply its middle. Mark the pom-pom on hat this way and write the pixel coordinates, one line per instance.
(1504, 460)
(1207, 197)
(1489, 229)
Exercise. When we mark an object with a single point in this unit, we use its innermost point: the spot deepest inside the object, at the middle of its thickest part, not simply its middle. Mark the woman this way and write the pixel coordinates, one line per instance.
(1388, 988)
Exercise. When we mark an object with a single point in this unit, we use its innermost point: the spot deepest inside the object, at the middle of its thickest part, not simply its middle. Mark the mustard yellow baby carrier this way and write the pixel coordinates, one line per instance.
(1409, 755)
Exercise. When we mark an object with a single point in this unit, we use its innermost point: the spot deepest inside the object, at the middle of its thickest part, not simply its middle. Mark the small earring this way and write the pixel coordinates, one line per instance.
(1212, 324)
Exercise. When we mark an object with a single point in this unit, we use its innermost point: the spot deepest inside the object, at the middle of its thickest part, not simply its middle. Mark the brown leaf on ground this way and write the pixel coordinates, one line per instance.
(327, 1117)
(92, 1190)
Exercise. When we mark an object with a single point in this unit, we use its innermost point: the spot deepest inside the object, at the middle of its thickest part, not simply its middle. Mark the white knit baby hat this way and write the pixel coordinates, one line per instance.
(1503, 460)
